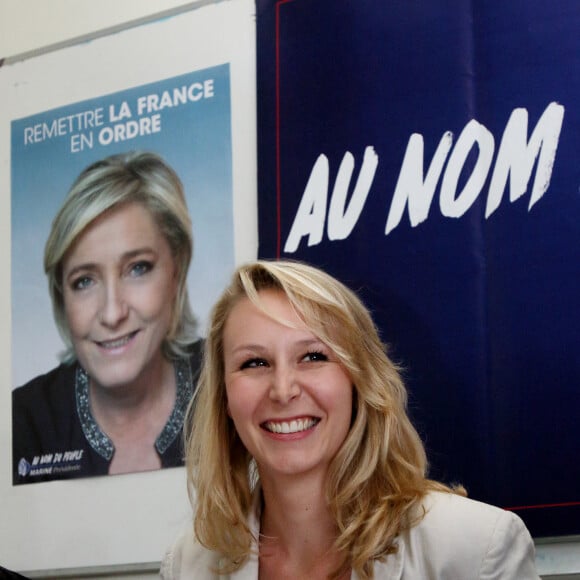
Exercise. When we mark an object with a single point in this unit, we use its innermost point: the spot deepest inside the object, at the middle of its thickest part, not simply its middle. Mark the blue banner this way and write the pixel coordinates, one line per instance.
(426, 153)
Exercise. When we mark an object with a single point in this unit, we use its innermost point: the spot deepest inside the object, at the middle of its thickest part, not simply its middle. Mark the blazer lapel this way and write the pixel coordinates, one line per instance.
(391, 568)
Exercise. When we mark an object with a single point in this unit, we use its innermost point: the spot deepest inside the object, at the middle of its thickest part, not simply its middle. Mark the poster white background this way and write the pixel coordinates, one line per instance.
(130, 518)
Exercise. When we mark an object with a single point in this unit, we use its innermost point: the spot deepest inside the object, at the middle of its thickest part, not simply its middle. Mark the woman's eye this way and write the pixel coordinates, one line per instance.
(81, 283)
(253, 363)
(315, 356)
(140, 268)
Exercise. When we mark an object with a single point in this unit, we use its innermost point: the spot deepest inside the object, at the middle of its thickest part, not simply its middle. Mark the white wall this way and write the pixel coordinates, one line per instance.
(29, 27)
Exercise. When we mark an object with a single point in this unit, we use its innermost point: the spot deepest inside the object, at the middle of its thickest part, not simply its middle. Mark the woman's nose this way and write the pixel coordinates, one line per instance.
(285, 385)
(114, 307)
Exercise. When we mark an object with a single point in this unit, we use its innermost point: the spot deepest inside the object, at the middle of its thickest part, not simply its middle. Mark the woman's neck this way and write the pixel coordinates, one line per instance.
(297, 530)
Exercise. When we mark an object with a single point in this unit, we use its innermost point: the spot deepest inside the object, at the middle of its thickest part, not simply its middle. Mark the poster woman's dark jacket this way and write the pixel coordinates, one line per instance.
(55, 436)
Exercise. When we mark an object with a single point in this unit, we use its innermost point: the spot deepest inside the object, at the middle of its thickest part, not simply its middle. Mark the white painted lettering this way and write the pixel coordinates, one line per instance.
(309, 220)
(415, 190)
(453, 205)
(412, 189)
(516, 158)
(343, 218)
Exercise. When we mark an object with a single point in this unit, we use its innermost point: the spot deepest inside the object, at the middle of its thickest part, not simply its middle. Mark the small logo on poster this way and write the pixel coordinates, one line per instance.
(23, 467)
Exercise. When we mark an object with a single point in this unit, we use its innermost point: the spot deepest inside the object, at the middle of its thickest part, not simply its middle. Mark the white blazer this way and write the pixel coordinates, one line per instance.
(458, 539)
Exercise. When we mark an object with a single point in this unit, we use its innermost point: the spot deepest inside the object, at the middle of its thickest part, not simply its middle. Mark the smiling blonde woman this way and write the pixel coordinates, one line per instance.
(302, 461)
(116, 260)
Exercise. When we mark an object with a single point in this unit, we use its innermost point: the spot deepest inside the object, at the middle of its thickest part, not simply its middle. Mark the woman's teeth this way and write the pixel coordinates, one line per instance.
(118, 342)
(290, 426)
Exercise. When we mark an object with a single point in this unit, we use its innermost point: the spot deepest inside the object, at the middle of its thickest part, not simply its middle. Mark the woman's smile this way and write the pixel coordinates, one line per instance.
(290, 427)
(115, 344)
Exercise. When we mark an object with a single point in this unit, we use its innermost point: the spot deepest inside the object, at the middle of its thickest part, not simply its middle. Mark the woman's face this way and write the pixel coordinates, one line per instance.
(288, 395)
(119, 285)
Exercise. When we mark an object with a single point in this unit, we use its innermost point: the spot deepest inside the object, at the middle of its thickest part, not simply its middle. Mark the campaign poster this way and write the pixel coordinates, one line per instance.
(186, 121)
(426, 154)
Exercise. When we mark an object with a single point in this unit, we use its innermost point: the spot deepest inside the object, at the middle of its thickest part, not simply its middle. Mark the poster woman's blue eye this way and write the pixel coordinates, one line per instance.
(140, 268)
(82, 283)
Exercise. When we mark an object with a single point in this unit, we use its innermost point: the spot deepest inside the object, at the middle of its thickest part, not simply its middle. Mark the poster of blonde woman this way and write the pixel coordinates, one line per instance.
(122, 236)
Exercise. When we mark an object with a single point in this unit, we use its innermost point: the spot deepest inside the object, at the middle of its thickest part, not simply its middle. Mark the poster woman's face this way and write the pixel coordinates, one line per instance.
(119, 285)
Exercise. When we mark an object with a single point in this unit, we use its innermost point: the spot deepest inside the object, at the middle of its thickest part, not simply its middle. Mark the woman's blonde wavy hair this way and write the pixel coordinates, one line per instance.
(378, 477)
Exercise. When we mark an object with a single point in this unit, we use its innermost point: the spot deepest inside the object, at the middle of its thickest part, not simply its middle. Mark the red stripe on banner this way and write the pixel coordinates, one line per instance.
(278, 178)
(542, 506)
